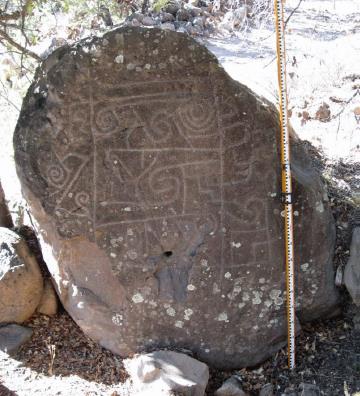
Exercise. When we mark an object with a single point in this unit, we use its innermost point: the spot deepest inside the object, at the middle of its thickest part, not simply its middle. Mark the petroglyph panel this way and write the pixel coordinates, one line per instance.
(154, 182)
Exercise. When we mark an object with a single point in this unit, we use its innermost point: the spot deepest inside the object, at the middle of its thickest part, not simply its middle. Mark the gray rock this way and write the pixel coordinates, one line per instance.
(148, 21)
(231, 387)
(194, 11)
(136, 15)
(308, 390)
(193, 30)
(183, 15)
(156, 190)
(352, 269)
(21, 283)
(12, 336)
(167, 17)
(198, 21)
(172, 7)
(181, 29)
(135, 23)
(179, 24)
(233, 19)
(168, 26)
(164, 372)
(267, 390)
(290, 392)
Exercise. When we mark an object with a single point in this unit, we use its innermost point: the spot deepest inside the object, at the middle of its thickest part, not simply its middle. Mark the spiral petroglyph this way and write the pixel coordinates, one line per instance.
(56, 175)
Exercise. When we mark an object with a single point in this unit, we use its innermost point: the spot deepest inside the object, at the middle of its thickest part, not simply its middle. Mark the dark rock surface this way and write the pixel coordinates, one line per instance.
(154, 180)
(352, 269)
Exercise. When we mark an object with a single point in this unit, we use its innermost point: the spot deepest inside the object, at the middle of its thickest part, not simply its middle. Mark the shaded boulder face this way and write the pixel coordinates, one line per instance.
(154, 180)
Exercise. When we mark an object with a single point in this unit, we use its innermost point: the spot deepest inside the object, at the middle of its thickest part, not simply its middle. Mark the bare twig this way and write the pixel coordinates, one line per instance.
(291, 14)
(345, 103)
(9, 101)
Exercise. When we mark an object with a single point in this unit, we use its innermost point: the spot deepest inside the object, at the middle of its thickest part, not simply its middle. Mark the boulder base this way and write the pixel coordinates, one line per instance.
(154, 180)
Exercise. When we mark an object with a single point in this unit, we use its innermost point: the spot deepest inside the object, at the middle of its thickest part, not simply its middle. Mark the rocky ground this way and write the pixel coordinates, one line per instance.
(322, 36)
(59, 358)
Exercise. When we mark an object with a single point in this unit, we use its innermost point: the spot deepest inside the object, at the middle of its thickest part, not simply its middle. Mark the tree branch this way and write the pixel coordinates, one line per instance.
(10, 17)
(291, 14)
(18, 46)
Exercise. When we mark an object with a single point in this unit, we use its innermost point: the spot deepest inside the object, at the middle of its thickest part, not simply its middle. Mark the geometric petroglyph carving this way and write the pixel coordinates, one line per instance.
(155, 186)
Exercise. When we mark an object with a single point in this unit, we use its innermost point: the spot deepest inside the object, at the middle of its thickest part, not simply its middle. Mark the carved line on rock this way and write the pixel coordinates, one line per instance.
(93, 133)
(221, 150)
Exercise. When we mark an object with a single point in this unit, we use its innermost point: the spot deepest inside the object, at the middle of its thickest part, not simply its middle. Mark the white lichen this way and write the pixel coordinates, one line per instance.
(223, 317)
(137, 298)
(117, 319)
(171, 311)
(236, 244)
(187, 313)
(119, 59)
(179, 324)
(304, 266)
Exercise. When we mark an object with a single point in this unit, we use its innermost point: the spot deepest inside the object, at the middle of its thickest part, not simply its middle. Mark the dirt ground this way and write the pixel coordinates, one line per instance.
(327, 354)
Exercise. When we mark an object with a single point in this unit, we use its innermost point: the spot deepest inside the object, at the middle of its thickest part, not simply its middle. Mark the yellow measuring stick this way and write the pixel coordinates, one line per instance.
(286, 179)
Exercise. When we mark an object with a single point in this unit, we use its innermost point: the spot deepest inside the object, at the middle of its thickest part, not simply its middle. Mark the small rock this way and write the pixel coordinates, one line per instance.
(181, 29)
(193, 30)
(12, 336)
(194, 11)
(136, 15)
(198, 21)
(305, 117)
(167, 17)
(168, 26)
(183, 15)
(172, 7)
(135, 22)
(148, 21)
(267, 390)
(233, 19)
(231, 387)
(105, 15)
(308, 390)
(21, 283)
(290, 392)
(163, 372)
(49, 303)
(352, 269)
(323, 113)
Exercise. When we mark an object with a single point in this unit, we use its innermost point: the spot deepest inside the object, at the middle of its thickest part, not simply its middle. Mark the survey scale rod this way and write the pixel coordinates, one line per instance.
(286, 179)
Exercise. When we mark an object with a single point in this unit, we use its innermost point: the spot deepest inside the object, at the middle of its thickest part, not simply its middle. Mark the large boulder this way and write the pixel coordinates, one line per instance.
(21, 283)
(154, 180)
